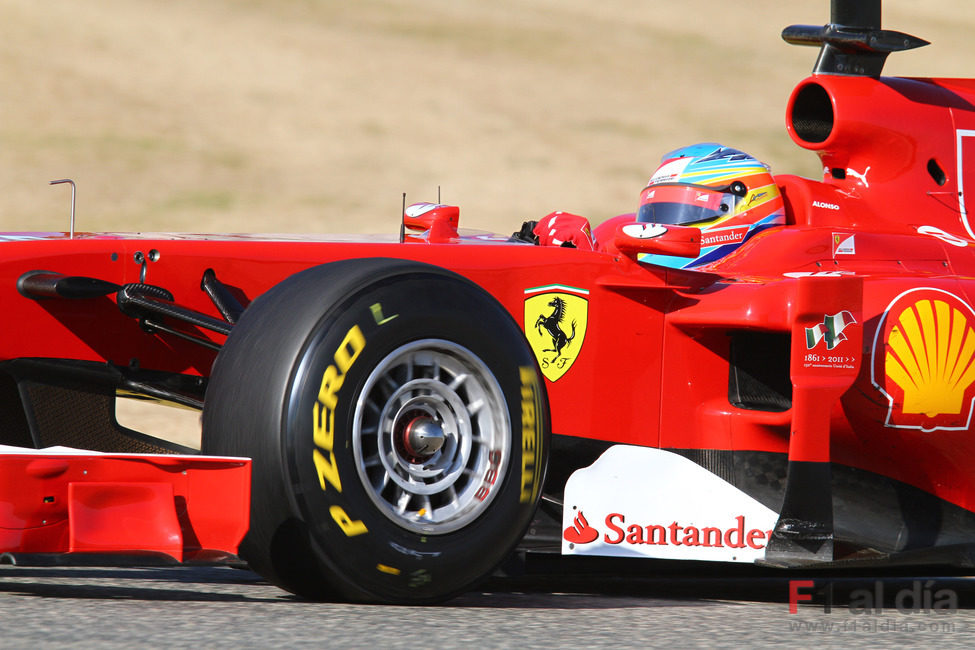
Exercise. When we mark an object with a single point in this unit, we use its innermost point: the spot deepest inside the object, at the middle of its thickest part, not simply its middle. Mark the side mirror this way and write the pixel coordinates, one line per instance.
(439, 221)
(634, 238)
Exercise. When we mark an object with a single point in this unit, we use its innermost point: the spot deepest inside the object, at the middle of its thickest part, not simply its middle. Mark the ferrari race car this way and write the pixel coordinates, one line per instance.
(751, 368)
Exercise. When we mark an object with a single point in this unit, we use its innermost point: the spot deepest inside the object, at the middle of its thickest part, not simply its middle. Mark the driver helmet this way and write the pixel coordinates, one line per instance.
(728, 194)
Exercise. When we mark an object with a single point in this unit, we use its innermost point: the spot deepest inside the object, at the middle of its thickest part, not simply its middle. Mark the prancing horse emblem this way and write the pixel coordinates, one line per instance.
(555, 324)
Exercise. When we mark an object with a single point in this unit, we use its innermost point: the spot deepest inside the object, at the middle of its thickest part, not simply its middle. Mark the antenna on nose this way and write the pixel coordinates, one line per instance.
(71, 222)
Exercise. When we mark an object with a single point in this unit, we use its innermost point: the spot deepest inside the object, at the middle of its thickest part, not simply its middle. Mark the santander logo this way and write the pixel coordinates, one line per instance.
(607, 512)
(737, 535)
(580, 532)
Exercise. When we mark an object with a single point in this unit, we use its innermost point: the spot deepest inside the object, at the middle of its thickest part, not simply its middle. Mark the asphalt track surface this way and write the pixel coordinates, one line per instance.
(220, 606)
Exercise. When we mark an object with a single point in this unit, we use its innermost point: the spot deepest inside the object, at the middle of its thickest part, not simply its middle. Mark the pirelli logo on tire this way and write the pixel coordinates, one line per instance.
(531, 434)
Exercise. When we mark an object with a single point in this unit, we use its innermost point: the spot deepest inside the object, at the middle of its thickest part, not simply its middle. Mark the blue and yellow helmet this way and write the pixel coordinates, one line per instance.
(726, 193)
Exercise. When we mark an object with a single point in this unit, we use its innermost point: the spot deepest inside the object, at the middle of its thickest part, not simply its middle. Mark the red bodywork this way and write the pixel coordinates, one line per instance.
(187, 508)
(884, 234)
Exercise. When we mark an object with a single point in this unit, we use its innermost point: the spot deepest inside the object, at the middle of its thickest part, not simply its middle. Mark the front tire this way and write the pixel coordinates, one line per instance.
(398, 428)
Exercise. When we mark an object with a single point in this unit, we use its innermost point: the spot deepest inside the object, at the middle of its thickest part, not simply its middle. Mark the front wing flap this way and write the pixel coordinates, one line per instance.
(60, 500)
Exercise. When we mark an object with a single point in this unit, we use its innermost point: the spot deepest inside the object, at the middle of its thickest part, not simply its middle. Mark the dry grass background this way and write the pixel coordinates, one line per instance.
(315, 115)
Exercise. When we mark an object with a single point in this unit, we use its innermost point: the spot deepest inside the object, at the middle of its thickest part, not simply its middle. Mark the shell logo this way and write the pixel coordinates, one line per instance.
(926, 366)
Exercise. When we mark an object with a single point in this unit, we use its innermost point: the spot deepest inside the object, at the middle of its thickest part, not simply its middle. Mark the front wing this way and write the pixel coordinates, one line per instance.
(60, 500)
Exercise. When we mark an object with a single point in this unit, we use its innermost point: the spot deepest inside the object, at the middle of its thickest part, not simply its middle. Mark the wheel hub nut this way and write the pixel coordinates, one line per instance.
(424, 437)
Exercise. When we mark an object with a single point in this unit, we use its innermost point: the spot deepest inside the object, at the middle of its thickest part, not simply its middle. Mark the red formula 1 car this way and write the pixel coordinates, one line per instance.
(749, 369)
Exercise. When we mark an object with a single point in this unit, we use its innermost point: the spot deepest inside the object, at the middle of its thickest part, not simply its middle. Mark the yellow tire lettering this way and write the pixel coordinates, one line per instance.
(323, 412)
(331, 383)
(350, 527)
(530, 405)
(377, 314)
(349, 350)
(352, 345)
(323, 427)
(328, 471)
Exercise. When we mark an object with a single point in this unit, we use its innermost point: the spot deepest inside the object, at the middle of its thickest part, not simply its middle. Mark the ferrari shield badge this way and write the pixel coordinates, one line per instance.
(555, 324)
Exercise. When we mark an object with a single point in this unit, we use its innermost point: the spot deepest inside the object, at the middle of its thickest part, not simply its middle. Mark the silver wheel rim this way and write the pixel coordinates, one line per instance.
(431, 436)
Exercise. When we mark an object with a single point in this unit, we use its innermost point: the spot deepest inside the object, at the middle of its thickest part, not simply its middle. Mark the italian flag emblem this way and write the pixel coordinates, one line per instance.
(830, 330)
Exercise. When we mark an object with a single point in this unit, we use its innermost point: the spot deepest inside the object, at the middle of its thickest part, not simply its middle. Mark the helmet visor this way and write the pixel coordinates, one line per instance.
(683, 204)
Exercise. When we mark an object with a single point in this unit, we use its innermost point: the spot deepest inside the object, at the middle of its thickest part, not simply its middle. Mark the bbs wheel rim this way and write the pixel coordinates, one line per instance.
(431, 436)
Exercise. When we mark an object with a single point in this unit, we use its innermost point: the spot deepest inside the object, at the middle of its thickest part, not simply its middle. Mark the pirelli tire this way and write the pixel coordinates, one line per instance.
(398, 429)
